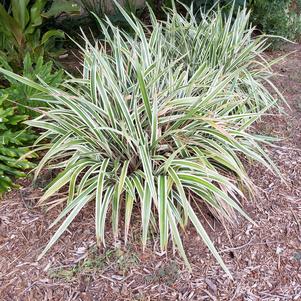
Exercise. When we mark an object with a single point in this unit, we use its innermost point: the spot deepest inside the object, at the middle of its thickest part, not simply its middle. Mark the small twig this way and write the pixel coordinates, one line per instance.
(272, 295)
(107, 278)
(244, 245)
(236, 248)
(295, 217)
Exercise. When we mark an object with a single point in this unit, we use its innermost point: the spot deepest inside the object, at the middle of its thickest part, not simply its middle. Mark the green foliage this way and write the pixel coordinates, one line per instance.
(277, 17)
(13, 141)
(205, 5)
(274, 17)
(27, 97)
(160, 123)
(93, 7)
(21, 28)
(61, 6)
(19, 102)
(99, 9)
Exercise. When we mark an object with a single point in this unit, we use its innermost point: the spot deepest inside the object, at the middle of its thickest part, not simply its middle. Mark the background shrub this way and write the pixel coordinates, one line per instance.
(277, 17)
(18, 103)
(14, 141)
(22, 31)
(27, 98)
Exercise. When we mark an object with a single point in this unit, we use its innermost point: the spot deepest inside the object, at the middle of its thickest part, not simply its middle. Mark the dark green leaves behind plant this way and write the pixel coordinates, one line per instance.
(21, 29)
(277, 17)
(18, 103)
(24, 96)
(14, 139)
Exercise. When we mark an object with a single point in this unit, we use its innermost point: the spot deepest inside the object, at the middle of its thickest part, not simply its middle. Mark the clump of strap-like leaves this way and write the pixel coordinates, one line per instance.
(158, 123)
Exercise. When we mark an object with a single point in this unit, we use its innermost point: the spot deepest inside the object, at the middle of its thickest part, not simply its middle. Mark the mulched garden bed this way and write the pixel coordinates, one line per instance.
(265, 260)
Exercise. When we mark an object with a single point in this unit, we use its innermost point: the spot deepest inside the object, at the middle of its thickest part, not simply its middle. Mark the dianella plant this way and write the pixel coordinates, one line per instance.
(157, 123)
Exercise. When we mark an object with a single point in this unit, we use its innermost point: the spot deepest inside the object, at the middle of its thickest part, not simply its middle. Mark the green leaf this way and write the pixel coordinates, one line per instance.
(81, 203)
(145, 213)
(116, 200)
(60, 6)
(20, 12)
(162, 211)
(10, 26)
(54, 33)
(194, 219)
(99, 199)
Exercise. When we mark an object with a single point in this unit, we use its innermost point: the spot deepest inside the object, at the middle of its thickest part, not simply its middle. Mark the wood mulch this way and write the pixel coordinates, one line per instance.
(265, 260)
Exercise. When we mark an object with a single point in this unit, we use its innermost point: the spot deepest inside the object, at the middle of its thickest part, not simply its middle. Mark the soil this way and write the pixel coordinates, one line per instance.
(265, 260)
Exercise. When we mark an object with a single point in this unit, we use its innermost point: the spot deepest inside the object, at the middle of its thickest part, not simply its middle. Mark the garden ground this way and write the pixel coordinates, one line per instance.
(265, 260)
